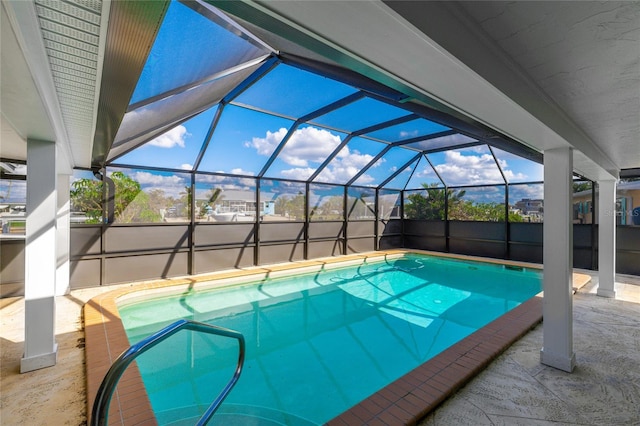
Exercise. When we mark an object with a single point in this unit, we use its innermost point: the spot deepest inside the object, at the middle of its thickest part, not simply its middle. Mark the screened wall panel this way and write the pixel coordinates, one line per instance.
(478, 248)
(281, 232)
(530, 233)
(277, 253)
(325, 248)
(425, 243)
(627, 263)
(472, 230)
(219, 259)
(582, 258)
(390, 242)
(628, 238)
(85, 273)
(12, 267)
(220, 234)
(526, 253)
(582, 236)
(390, 227)
(326, 202)
(526, 242)
(128, 238)
(145, 267)
(85, 240)
(424, 227)
(359, 245)
(628, 254)
(325, 230)
(360, 229)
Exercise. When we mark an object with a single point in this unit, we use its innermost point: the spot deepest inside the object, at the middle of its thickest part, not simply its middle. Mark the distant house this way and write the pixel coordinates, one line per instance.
(627, 204)
(238, 201)
(531, 208)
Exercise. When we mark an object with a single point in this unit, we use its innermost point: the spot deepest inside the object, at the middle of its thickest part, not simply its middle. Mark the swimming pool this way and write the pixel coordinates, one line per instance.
(319, 343)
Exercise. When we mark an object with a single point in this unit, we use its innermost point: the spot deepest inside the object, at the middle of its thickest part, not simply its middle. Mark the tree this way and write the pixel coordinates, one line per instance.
(329, 208)
(431, 206)
(581, 186)
(131, 204)
(86, 196)
(292, 207)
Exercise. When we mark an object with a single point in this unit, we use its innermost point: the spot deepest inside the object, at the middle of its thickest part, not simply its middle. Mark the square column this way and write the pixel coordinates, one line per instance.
(63, 235)
(606, 238)
(40, 347)
(557, 305)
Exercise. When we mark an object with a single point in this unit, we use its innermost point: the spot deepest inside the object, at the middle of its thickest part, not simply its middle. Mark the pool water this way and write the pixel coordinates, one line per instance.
(317, 343)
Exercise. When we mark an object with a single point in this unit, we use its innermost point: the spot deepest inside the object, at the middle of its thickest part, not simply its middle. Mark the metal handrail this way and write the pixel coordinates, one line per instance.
(100, 410)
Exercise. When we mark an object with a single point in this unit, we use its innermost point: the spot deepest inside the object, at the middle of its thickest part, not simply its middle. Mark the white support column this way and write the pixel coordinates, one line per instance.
(606, 238)
(557, 348)
(62, 235)
(40, 347)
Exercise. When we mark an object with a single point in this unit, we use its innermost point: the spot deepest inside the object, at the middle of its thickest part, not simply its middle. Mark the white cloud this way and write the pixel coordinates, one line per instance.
(461, 169)
(226, 182)
(306, 145)
(239, 171)
(346, 165)
(404, 134)
(186, 166)
(509, 174)
(172, 185)
(172, 138)
(298, 173)
(519, 192)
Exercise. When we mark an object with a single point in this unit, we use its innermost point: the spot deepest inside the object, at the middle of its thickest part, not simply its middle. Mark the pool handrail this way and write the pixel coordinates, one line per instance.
(100, 410)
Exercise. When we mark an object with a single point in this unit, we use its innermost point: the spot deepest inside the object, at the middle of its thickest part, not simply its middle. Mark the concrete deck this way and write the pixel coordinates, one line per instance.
(515, 389)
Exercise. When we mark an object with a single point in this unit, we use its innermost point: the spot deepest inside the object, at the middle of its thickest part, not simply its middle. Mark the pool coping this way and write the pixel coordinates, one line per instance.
(405, 401)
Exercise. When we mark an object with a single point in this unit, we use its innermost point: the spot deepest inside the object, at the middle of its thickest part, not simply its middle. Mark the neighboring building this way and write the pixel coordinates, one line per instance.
(238, 201)
(627, 204)
(533, 209)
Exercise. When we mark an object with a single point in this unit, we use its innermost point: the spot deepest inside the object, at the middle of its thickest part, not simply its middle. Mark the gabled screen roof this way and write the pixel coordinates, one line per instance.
(216, 99)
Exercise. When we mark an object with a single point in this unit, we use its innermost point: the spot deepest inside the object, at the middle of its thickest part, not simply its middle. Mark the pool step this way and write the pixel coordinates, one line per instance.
(233, 415)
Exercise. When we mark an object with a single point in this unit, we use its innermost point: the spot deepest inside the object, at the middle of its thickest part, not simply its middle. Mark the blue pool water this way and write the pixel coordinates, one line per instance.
(317, 343)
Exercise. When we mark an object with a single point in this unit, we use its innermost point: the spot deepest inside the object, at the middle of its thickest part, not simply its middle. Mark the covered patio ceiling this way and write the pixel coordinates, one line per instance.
(443, 65)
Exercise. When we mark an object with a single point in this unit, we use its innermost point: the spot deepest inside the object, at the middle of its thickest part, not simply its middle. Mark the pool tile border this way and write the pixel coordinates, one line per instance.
(402, 402)
(413, 396)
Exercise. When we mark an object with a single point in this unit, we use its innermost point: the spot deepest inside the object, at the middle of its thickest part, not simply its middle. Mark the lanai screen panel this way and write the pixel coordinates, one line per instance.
(243, 141)
(188, 49)
(270, 119)
(293, 92)
(408, 130)
(385, 166)
(469, 166)
(424, 176)
(139, 123)
(359, 115)
(177, 148)
(303, 152)
(447, 141)
(220, 194)
(326, 202)
(518, 169)
(350, 160)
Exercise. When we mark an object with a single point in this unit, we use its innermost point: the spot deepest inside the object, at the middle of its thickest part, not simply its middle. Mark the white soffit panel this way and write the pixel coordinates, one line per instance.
(71, 32)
